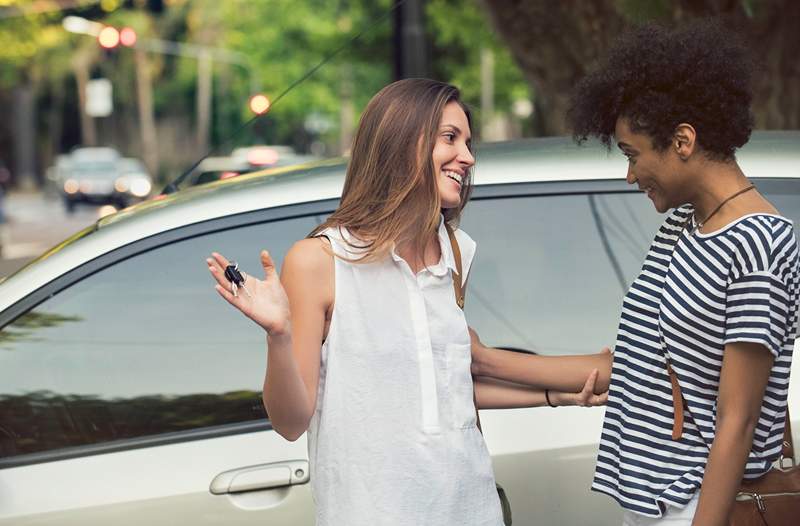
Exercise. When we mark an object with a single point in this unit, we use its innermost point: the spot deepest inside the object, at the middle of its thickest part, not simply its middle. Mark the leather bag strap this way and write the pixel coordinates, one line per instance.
(458, 289)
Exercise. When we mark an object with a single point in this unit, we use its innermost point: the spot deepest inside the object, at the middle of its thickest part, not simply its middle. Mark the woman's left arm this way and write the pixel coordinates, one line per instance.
(743, 381)
(491, 393)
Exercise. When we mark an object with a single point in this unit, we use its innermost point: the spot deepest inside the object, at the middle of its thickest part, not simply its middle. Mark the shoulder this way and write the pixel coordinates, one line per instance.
(763, 243)
(309, 255)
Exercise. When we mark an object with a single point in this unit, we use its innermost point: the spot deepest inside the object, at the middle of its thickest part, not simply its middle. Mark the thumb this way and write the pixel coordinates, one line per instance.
(267, 263)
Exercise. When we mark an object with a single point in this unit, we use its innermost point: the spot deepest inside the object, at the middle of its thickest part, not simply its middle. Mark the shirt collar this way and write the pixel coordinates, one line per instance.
(447, 262)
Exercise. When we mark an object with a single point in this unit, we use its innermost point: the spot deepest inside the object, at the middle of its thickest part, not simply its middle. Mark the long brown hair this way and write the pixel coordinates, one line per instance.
(390, 192)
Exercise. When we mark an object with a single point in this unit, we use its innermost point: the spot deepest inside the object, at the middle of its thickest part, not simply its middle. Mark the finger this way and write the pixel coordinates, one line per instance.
(219, 276)
(213, 262)
(586, 395)
(220, 259)
(605, 350)
(268, 264)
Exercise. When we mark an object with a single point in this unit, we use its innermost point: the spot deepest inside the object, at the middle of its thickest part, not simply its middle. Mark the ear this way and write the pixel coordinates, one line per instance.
(684, 140)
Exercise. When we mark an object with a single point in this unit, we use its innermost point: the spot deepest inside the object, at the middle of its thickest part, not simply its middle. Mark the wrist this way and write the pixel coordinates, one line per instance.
(279, 331)
(554, 398)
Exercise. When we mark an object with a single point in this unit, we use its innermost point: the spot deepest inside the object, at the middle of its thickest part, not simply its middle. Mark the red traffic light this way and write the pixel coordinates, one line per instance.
(127, 37)
(108, 37)
(259, 104)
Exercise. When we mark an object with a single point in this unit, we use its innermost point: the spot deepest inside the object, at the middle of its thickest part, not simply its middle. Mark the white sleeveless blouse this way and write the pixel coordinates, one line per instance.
(393, 439)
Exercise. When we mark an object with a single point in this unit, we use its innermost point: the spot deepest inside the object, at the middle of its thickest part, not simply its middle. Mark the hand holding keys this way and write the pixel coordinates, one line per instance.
(236, 278)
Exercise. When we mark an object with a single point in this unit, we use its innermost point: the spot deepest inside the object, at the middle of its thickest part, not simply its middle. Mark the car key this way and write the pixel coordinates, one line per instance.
(236, 278)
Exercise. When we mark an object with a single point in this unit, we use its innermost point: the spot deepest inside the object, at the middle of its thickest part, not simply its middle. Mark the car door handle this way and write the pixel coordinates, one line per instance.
(261, 476)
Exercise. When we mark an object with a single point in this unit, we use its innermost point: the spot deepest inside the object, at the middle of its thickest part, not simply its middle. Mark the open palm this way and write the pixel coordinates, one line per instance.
(263, 301)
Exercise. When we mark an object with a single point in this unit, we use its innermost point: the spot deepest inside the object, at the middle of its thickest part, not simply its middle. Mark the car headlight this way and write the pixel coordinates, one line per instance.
(71, 186)
(121, 185)
(137, 186)
(140, 187)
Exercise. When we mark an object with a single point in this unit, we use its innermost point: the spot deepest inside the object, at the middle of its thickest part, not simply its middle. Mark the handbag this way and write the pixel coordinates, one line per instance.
(773, 499)
(505, 505)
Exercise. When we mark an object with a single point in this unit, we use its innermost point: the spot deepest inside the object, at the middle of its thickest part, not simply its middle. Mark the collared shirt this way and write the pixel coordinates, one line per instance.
(695, 294)
(393, 439)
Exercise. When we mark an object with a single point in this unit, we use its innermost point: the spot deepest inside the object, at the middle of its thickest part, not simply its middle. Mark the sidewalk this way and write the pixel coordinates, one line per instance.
(34, 223)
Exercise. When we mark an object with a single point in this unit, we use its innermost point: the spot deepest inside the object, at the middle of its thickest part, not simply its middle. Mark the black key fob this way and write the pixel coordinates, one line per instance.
(233, 275)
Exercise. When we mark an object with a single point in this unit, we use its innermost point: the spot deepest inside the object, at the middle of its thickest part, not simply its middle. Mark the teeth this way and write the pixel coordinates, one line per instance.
(454, 176)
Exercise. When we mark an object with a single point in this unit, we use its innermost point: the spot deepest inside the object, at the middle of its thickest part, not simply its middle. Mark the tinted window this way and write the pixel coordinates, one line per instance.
(141, 348)
(551, 271)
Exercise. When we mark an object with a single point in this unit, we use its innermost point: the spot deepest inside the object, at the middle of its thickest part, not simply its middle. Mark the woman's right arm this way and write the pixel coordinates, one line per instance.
(292, 310)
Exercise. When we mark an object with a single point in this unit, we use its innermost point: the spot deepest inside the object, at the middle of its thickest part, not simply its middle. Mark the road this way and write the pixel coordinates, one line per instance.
(34, 223)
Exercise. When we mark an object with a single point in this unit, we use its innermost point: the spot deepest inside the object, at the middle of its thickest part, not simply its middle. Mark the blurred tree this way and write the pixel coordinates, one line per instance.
(462, 40)
(556, 43)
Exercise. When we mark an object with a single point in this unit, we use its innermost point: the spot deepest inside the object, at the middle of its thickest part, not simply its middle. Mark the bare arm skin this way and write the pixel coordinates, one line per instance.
(293, 312)
(491, 393)
(743, 380)
(561, 373)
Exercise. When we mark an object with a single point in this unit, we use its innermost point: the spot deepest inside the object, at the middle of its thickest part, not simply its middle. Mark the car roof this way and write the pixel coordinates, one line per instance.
(768, 154)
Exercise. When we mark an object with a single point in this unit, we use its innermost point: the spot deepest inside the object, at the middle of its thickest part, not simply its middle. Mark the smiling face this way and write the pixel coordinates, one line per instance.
(660, 174)
(452, 157)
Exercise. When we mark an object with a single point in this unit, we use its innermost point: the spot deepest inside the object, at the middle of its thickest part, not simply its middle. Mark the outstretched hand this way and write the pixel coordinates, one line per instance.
(263, 301)
(587, 398)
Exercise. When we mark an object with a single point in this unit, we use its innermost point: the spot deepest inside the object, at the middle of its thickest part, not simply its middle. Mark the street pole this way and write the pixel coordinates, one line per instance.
(411, 47)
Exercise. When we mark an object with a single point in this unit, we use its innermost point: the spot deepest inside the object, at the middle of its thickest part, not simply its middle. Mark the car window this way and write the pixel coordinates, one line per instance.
(142, 348)
(550, 271)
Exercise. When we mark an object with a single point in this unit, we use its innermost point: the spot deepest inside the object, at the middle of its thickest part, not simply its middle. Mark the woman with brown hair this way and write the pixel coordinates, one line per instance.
(367, 349)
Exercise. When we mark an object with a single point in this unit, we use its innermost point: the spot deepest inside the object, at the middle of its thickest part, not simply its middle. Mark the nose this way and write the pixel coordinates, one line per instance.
(465, 156)
(630, 177)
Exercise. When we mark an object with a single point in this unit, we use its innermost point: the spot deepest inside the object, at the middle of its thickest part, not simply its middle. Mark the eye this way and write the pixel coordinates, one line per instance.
(449, 136)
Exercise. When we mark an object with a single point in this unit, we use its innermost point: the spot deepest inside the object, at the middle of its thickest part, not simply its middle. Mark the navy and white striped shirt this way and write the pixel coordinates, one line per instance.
(696, 292)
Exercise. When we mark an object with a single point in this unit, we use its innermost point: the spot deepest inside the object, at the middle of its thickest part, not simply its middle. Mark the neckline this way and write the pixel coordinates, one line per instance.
(697, 233)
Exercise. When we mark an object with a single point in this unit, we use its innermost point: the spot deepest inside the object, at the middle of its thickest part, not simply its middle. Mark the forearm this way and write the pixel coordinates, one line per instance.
(561, 373)
(285, 394)
(724, 472)
(491, 393)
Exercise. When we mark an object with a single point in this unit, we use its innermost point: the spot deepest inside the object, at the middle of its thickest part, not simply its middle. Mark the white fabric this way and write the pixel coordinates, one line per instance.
(393, 440)
(674, 516)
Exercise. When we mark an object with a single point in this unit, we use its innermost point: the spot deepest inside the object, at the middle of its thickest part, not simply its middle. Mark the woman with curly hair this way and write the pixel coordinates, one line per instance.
(701, 365)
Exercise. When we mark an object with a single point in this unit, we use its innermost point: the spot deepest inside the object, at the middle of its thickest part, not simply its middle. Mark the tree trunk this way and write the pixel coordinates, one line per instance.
(80, 65)
(147, 123)
(557, 43)
(25, 136)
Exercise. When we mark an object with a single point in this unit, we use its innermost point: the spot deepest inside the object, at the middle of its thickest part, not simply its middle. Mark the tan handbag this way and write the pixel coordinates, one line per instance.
(770, 500)
(505, 505)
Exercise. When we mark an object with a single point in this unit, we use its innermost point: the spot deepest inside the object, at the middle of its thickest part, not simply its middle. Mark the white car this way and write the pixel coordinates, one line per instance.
(130, 392)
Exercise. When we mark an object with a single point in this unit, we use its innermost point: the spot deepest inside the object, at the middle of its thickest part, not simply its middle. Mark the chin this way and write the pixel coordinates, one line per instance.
(451, 202)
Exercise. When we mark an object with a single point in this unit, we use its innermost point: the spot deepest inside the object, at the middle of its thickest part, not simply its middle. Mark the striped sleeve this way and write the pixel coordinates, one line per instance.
(758, 304)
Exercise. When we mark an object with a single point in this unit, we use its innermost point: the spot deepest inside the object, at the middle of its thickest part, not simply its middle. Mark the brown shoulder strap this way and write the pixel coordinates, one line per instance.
(457, 280)
(459, 293)
(788, 445)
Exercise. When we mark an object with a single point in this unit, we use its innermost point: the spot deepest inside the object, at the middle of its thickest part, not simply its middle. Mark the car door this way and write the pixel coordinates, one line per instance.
(130, 393)
(552, 265)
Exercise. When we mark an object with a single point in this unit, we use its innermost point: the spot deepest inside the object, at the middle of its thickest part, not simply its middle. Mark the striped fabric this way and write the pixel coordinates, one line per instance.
(695, 293)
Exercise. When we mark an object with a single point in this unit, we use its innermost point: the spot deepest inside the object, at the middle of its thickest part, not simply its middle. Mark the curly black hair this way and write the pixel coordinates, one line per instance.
(658, 78)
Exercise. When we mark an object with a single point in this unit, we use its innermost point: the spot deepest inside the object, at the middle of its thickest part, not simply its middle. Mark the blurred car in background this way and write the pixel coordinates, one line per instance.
(100, 175)
(247, 159)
